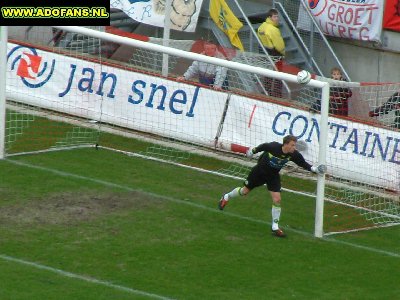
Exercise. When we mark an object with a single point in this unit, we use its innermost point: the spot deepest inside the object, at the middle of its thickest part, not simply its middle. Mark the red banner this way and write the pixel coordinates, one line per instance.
(391, 18)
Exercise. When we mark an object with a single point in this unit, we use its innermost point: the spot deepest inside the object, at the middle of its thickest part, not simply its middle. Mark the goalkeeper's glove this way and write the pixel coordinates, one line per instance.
(320, 169)
(249, 153)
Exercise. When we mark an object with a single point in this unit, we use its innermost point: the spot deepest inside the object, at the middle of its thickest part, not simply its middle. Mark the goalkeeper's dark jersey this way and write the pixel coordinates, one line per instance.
(274, 159)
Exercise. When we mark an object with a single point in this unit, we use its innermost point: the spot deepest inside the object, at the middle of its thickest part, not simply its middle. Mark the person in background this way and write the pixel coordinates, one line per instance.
(393, 103)
(271, 38)
(338, 97)
(208, 74)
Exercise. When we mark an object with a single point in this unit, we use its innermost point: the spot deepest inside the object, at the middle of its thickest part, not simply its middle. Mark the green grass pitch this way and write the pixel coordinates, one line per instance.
(94, 224)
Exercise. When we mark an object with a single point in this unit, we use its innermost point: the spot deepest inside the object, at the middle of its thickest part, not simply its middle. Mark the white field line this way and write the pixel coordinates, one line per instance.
(81, 277)
(214, 210)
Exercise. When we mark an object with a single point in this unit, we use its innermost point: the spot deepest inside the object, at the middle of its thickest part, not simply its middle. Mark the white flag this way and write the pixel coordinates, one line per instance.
(357, 20)
(183, 17)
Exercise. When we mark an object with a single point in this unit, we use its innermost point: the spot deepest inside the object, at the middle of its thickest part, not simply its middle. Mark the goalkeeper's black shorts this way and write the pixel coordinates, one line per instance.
(259, 176)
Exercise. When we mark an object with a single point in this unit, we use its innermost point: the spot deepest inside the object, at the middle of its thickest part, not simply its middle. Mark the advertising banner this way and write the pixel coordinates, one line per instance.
(250, 122)
(355, 19)
(194, 114)
(109, 94)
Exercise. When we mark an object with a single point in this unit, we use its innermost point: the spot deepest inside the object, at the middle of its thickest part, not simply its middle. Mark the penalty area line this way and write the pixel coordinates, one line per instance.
(81, 277)
(127, 188)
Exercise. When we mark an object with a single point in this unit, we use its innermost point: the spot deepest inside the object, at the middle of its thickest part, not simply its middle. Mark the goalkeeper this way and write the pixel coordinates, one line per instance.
(275, 155)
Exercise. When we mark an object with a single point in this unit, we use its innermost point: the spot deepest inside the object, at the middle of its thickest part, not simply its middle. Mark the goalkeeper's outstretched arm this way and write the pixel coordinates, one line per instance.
(299, 160)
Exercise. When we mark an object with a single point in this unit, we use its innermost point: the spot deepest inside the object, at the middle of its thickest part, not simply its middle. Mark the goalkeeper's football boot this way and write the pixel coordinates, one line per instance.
(222, 203)
(278, 233)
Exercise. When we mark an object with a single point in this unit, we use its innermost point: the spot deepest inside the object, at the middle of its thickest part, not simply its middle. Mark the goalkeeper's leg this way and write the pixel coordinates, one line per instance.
(254, 179)
(276, 214)
(239, 191)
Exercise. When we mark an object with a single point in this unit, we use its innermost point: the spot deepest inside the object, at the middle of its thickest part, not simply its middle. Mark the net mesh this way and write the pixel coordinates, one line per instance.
(54, 123)
(75, 90)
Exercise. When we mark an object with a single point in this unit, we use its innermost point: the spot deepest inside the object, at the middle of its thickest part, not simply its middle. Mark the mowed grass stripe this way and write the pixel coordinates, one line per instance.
(180, 201)
(83, 278)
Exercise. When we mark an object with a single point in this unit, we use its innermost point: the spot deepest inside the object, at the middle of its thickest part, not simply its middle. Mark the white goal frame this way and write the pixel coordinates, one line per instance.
(323, 86)
(3, 72)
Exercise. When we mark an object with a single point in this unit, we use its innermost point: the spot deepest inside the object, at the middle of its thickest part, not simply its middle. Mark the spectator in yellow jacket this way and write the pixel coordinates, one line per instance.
(270, 34)
(271, 38)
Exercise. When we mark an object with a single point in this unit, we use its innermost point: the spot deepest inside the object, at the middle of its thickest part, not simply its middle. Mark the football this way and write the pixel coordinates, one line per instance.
(303, 77)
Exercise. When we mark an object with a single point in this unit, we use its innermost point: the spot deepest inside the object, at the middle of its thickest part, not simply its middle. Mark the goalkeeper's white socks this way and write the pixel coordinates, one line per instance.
(276, 214)
(234, 193)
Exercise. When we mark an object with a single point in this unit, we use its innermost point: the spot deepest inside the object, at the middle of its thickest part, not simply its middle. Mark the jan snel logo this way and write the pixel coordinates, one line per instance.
(30, 67)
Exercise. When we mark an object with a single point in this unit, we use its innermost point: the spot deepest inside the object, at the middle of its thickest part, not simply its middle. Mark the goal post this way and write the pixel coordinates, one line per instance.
(86, 83)
(323, 142)
(3, 72)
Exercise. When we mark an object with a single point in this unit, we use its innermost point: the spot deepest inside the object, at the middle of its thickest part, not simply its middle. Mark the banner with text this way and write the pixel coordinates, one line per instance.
(357, 20)
(116, 96)
(189, 113)
(349, 143)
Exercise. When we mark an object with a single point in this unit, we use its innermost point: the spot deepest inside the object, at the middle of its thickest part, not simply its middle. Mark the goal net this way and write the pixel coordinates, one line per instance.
(37, 116)
(83, 86)
(363, 154)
